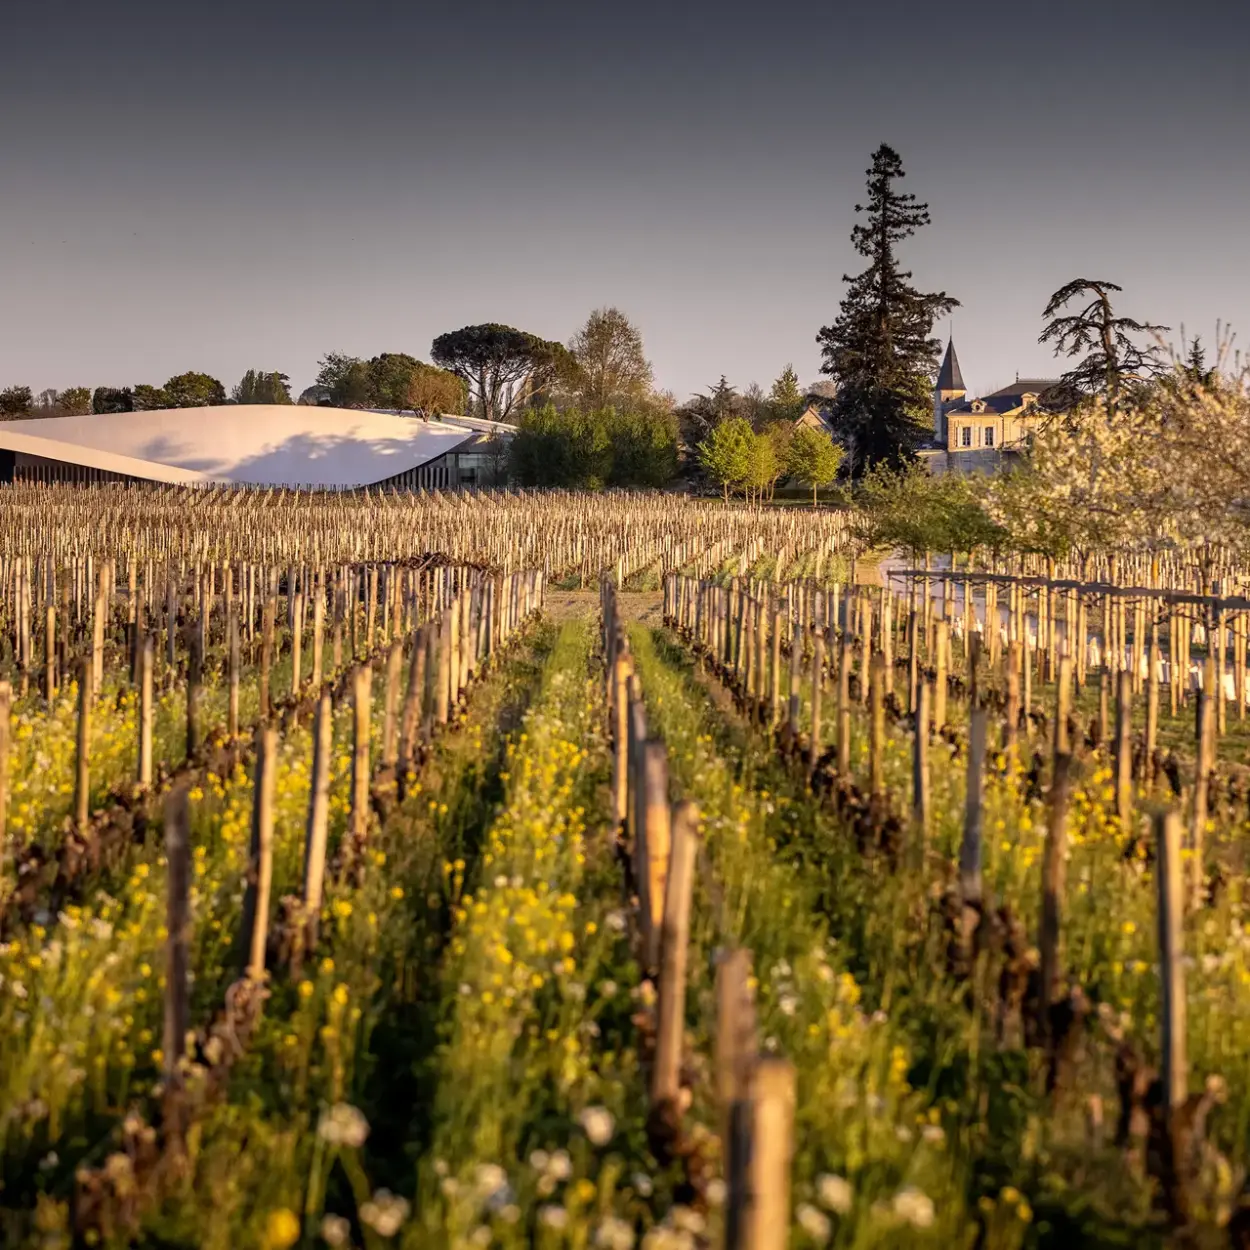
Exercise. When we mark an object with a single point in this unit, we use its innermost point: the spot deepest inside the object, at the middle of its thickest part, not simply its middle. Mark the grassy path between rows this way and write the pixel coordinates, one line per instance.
(873, 1166)
(324, 1104)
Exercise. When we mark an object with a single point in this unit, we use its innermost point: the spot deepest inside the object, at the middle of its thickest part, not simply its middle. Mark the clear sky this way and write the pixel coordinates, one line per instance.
(246, 183)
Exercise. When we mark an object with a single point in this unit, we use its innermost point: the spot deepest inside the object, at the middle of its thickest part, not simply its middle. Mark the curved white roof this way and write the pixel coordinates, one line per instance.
(252, 444)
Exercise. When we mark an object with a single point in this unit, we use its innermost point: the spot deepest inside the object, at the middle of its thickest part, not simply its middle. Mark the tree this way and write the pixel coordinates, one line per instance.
(573, 449)
(570, 449)
(15, 401)
(112, 399)
(151, 398)
(49, 398)
(726, 453)
(814, 458)
(432, 390)
(390, 376)
(611, 366)
(342, 382)
(262, 388)
(763, 466)
(74, 401)
(704, 412)
(1114, 364)
(495, 360)
(1092, 482)
(754, 406)
(781, 434)
(194, 390)
(880, 351)
(784, 398)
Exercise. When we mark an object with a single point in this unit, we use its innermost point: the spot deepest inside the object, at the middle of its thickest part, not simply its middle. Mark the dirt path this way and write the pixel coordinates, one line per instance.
(646, 606)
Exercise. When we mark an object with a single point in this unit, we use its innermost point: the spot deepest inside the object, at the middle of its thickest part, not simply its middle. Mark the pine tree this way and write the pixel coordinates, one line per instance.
(785, 398)
(880, 350)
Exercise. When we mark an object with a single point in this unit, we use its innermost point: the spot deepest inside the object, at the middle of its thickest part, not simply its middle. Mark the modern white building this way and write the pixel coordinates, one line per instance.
(255, 445)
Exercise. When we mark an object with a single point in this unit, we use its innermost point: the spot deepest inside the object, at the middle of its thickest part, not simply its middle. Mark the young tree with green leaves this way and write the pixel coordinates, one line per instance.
(763, 467)
(880, 351)
(813, 458)
(725, 453)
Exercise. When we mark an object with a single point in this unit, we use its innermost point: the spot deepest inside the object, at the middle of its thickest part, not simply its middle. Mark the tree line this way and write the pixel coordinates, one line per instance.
(589, 413)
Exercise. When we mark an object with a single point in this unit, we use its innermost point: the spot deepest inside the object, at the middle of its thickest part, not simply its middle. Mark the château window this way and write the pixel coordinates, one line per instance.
(965, 436)
(989, 436)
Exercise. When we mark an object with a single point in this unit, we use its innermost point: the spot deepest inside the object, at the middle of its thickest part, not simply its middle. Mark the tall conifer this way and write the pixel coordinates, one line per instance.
(881, 350)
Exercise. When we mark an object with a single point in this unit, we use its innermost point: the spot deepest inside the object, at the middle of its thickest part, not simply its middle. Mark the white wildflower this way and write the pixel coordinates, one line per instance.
(343, 1125)
(716, 1191)
(385, 1213)
(814, 1222)
(614, 1234)
(688, 1220)
(914, 1207)
(335, 1230)
(834, 1193)
(597, 1123)
(553, 1216)
(489, 1179)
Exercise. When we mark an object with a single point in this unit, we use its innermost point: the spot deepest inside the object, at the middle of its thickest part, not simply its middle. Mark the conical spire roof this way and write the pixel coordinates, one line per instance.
(949, 377)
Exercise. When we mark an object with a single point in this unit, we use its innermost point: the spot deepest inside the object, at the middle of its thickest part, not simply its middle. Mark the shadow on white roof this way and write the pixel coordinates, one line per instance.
(243, 444)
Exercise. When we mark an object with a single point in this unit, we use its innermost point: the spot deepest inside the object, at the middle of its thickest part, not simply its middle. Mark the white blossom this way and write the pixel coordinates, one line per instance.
(834, 1193)
(598, 1125)
(914, 1207)
(343, 1125)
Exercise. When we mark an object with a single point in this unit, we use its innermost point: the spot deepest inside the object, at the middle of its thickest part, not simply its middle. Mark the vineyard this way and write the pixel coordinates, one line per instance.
(566, 871)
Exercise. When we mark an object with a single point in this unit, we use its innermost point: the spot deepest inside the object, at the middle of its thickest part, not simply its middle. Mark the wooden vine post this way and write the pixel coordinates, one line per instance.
(1053, 871)
(194, 691)
(147, 663)
(177, 942)
(1124, 750)
(760, 1149)
(6, 714)
(674, 946)
(82, 771)
(818, 686)
(317, 829)
(254, 930)
(920, 771)
(362, 686)
(877, 726)
(970, 849)
(656, 844)
(1204, 753)
(844, 706)
(1175, 1063)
